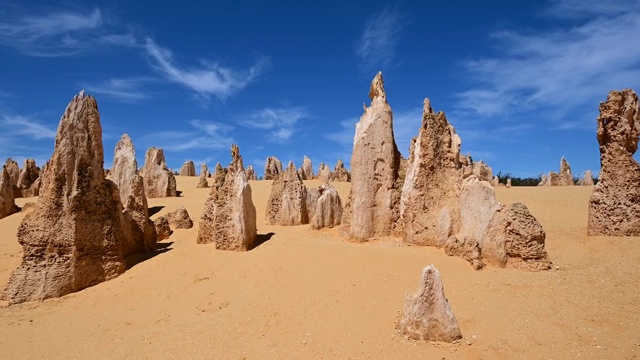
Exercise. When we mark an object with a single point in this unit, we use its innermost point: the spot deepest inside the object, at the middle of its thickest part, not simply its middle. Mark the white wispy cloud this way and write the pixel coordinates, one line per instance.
(60, 33)
(205, 135)
(281, 123)
(563, 71)
(209, 79)
(122, 90)
(377, 45)
(18, 125)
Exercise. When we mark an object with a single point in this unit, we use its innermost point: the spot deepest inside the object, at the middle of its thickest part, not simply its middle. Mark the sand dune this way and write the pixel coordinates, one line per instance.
(310, 294)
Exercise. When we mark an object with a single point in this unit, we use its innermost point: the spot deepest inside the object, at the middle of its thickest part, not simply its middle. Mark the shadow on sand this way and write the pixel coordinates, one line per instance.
(135, 259)
(155, 209)
(178, 193)
(262, 238)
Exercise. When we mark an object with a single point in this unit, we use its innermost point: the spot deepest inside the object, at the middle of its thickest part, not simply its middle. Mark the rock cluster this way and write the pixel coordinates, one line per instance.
(162, 228)
(587, 179)
(188, 168)
(7, 200)
(179, 218)
(251, 174)
(124, 173)
(371, 209)
(427, 314)
(614, 205)
(324, 173)
(325, 207)
(563, 178)
(76, 235)
(287, 203)
(306, 170)
(29, 180)
(340, 173)
(158, 180)
(202, 180)
(13, 170)
(229, 216)
(272, 168)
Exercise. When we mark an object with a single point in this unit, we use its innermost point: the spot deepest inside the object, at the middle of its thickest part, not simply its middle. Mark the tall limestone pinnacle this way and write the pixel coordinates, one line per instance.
(372, 208)
(74, 237)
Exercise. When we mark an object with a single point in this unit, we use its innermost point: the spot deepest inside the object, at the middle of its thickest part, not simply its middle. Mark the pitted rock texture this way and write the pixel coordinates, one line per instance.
(614, 206)
(324, 173)
(251, 174)
(28, 184)
(327, 207)
(179, 218)
(188, 168)
(306, 170)
(7, 200)
(587, 179)
(272, 168)
(340, 173)
(287, 203)
(158, 180)
(202, 180)
(13, 170)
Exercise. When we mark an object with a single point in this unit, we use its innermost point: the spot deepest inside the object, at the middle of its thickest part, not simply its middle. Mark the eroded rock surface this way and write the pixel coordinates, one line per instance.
(13, 170)
(179, 218)
(287, 203)
(159, 181)
(202, 180)
(340, 173)
(272, 168)
(251, 174)
(587, 179)
(188, 168)
(7, 200)
(162, 228)
(327, 207)
(306, 170)
(28, 184)
(614, 205)
(324, 173)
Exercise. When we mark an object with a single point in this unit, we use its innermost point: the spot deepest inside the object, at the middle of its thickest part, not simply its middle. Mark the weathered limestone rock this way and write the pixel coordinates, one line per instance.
(544, 180)
(73, 239)
(587, 179)
(188, 168)
(327, 207)
(306, 170)
(508, 183)
(124, 173)
(340, 173)
(7, 200)
(202, 180)
(158, 180)
(28, 184)
(482, 171)
(372, 206)
(288, 199)
(179, 218)
(563, 178)
(14, 171)
(429, 206)
(614, 206)
(219, 174)
(251, 174)
(229, 216)
(427, 314)
(272, 168)
(324, 173)
(495, 181)
(516, 239)
(162, 228)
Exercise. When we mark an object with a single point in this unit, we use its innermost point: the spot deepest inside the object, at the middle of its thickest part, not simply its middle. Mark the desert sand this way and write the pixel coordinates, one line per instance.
(308, 294)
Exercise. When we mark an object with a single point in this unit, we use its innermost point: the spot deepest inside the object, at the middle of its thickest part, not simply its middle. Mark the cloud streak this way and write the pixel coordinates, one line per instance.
(25, 126)
(206, 135)
(208, 79)
(281, 123)
(121, 90)
(377, 45)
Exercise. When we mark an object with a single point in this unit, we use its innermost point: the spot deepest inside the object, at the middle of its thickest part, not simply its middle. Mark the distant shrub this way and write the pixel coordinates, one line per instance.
(518, 181)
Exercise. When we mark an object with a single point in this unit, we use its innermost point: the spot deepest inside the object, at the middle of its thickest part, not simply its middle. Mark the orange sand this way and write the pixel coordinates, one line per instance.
(307, 294)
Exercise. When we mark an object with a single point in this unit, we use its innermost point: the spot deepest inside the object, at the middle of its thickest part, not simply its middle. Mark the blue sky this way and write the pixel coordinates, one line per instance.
(520, 81)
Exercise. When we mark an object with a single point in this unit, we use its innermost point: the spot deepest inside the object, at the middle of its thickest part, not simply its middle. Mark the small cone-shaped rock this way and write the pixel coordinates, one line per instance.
(427, 314)
(287, 203)
(429, 205)
(587, 179)
(179, 218)
(372, 207)
(162, 228)
(340, 173)
(324, 173)
(563, 178)
(28, 184)
(188, 169)
(614, 206)
(13, 170)
(272, 168)
(495, 181)
(202, 180)
(251, 174)
(306, 170)
(229, 216)
(7, 200)
(73, 239)
(327, 208)
(508, 183)
(124, 173)
(158, 180)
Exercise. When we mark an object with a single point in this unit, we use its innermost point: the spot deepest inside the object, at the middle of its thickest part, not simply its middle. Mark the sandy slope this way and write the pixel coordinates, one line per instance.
(309, 294)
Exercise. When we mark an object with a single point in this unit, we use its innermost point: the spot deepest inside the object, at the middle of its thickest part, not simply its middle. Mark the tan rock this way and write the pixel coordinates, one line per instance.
(272, 168)
(563, 178)
(7, 200)
(124, 173)
(614, 206)
(162, 228)
(587, 179)
(340, 173)
(495, 181)
(204, 170)
(229, 216)
(327, 207)
(202, 180)
(287, 203)
(28, 177)
(508, 183)
(14, 171)
(427, 314)
(73, 239)
(372, 206)
(158, 180)
(179, 218)
(251, 174)
(482, 171)
(544, 180)
(306, 170)
(324, 173)
(429, 205)
(188, 168)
